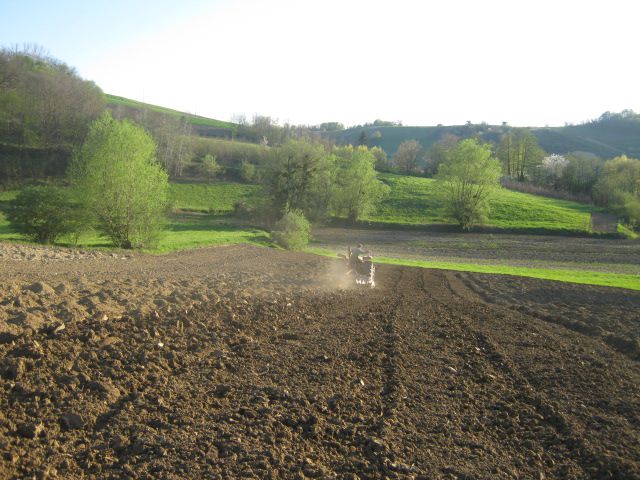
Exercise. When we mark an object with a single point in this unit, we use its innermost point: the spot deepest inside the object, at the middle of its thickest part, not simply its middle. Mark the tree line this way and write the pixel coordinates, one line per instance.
(117, 186)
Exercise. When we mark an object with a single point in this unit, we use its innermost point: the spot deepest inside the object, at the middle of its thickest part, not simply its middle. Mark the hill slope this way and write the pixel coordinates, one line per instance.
(201, 124)
(606, 137)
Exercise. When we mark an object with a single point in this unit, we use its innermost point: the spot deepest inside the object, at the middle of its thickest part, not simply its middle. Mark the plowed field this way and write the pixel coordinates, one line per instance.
(243, 362)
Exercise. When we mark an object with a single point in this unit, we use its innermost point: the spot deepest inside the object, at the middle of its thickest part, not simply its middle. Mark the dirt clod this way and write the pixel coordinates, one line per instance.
(30, 429)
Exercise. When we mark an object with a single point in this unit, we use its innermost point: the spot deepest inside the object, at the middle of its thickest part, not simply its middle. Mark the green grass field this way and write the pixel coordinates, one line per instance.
(193, 119)
(414, 201)
(183, 230)
(219, 197)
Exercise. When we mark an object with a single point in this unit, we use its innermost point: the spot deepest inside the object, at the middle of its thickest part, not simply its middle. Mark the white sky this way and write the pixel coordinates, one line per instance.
(425, 62)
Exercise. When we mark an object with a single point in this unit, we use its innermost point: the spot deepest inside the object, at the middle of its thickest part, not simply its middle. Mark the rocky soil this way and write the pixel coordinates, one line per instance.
(243, 362)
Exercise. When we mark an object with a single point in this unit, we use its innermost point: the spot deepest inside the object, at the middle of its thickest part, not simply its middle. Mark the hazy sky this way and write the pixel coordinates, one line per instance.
(422, 62)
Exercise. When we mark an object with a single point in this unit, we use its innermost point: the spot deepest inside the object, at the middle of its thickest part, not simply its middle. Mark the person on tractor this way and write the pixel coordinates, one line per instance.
(355, 262)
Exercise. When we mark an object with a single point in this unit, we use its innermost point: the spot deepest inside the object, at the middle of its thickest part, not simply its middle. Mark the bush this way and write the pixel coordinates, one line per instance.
(46, 213)
(248, 172)
(210, 167)
(630, 211)
(120, 181)
(292, 231)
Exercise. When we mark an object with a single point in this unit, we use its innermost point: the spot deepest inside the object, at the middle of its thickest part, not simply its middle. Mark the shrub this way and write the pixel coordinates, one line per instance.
(45, 213)
(292, 231)
(248, 172)
(120, 181)
(210, 166)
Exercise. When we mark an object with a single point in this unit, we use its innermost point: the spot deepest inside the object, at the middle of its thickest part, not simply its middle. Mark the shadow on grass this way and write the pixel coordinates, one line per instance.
(6, 230)
(207, 226)
(450, 228)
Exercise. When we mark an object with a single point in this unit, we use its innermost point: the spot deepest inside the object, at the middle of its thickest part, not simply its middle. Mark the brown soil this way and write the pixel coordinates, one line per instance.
(543, 251)
(604, 222)
(241, 362)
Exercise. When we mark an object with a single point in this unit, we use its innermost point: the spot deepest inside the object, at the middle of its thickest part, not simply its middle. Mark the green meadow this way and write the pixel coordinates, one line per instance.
(415, 201)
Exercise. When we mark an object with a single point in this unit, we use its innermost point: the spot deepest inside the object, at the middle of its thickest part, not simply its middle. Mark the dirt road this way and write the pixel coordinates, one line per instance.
(241, 362)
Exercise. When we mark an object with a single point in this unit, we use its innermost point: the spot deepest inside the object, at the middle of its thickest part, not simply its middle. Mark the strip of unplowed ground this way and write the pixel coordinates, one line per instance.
(241, 362)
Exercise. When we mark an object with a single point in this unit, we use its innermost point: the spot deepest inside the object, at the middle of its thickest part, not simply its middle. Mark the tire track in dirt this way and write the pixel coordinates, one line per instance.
(567, 438)
(592, 463)
(624, 345)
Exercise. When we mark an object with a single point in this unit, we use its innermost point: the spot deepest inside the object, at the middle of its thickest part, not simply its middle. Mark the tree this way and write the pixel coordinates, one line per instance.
(438, 152)
(382, 162)
(291, 171)
(358, 190)
(45, 213)
(408, 157)
(552, 169)
(172, 135)
(119, 179)
(331, 127)
(466, 179)
(581, 173)
(519, 153)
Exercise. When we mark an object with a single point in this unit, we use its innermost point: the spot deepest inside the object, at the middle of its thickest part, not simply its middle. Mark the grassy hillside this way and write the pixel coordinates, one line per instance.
(193, 119)
(414, 201)
(605, 139)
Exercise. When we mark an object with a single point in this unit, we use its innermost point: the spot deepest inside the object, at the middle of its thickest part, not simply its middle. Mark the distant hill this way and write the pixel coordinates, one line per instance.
(609, 136)
(202, 126)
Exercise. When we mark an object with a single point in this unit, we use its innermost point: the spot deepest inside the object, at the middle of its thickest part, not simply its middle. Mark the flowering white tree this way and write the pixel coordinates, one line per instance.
(552, 168)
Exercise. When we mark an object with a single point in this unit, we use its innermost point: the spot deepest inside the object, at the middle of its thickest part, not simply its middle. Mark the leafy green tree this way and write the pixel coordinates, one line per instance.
(358, 190)
(292, 231)
(119, 179)
(321, 197)
(409, 156)
(210, 167)
(46, 213)
(466, 180)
